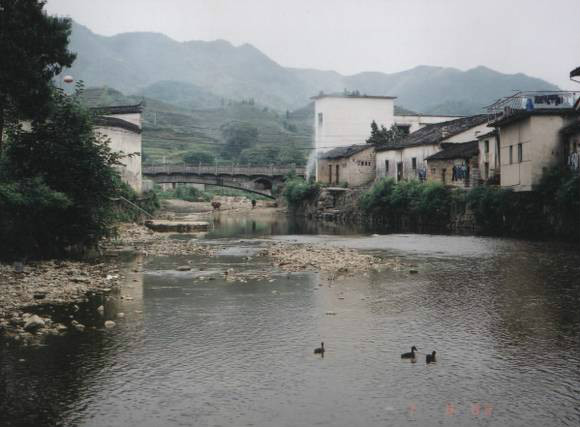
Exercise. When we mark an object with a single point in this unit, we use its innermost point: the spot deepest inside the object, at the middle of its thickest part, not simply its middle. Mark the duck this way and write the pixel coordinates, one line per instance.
(410, 355)
(430, 358)
(319, 350)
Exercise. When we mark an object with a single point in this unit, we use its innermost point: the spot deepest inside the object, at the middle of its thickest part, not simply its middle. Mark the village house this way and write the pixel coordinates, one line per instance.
(489, 157)
(345, 120)
(456, 165)
(353, 166)
(530, 128)
(122, 126)
(407, 160)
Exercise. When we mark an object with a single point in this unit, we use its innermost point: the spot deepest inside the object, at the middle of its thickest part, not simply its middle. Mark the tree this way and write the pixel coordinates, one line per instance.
(238, 136)
(33, 49)
(383, 136)
(196, 157)
(58, 180)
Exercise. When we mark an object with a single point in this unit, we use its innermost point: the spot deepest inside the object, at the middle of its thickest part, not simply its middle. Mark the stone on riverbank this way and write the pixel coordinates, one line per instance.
(34, 323)
(109, 324)
(162, 226)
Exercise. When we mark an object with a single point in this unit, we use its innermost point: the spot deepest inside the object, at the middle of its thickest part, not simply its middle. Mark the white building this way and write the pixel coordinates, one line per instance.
(122, 126)
(344, 120)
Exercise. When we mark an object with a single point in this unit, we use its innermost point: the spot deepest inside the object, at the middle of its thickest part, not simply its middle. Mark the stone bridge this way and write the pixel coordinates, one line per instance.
(254, 179)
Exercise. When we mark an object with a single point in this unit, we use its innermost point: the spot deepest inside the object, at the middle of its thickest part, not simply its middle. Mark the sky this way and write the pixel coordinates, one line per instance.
(540, 38)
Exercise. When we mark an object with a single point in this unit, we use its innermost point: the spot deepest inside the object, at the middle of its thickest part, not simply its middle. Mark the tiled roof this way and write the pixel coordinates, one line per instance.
(115, 122)
(337, 153)
(437, 132)
(464, 150)
(119, 109)
(488, 134)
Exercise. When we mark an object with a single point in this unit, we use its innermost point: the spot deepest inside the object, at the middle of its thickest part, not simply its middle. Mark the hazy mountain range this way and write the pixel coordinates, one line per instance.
(199, 74)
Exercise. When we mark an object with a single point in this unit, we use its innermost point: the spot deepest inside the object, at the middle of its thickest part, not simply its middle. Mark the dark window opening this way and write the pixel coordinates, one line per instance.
(404, 129)
(511, 154)
(414, 163)
(520, 153)
(386, 166)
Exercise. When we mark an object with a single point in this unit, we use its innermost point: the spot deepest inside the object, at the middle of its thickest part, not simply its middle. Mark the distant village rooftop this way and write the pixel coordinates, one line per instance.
(437, 132)
(322, 95)
(340, 152)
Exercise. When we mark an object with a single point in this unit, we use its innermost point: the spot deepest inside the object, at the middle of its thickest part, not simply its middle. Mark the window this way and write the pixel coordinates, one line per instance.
(486, 146)
(520, 153)
(414, 163)
(404, 129)
(320, 118)
(386, 166)
(511, 155)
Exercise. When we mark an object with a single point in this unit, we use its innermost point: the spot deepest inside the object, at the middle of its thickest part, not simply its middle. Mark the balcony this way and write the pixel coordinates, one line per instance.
(528, 102)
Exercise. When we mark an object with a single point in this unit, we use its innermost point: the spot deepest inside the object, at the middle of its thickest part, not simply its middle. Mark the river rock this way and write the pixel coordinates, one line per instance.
(183, 268)
(101, 309)
(109, 324)
(34, 323)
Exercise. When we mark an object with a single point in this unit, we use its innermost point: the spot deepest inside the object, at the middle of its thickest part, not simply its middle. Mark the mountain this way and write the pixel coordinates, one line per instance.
(199, 74)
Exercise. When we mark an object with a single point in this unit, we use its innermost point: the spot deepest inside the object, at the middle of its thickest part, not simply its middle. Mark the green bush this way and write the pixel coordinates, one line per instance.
(430, 200)
(297, 190)
(69, 173)
(491, 206)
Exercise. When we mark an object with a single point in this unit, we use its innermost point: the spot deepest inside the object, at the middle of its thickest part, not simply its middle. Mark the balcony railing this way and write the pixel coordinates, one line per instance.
(531, 101)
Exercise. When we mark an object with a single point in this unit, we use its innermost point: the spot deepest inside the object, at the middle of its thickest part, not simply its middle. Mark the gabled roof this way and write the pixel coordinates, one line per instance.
(119, 109)
(352, 96)
(437, 132)
(488, 134)
(115, 122)
(340, 152)
(451, 151)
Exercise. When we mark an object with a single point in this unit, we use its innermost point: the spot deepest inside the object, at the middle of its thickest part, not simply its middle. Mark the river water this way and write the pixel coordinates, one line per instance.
(503, 316)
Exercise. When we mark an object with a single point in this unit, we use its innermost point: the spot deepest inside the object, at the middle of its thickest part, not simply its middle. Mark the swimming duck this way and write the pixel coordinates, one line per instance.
(431, 357)
(410, 355)
(319, 350)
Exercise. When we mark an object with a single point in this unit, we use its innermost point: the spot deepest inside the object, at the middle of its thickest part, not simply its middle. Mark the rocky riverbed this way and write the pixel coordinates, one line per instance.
(57, 283)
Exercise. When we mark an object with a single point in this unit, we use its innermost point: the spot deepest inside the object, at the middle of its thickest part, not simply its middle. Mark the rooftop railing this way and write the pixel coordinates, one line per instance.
(531, 101)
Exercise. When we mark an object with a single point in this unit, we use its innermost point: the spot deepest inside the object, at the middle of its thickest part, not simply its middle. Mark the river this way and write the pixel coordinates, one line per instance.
(503, 316)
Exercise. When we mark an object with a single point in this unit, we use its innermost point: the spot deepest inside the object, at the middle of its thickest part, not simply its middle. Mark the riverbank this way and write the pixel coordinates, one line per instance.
(56, 283)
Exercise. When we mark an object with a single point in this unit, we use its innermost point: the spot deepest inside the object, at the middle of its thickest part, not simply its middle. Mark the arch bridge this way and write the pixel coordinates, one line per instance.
(254, 179)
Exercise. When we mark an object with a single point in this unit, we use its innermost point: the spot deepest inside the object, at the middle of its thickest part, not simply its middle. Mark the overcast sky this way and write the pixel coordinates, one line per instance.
(540, 38)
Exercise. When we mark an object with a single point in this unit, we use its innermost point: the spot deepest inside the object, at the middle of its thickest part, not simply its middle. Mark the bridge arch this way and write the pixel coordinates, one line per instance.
(252, 179)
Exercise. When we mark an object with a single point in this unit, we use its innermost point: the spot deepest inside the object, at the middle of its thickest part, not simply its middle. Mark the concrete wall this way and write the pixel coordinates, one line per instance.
(356, 170)
(347, 120)
(491, 157)
(541, 148)
(126, 142)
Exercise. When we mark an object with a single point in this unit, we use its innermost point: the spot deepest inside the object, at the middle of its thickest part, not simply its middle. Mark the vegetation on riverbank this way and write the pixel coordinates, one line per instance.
(58, 184)
(297, 190)
(411, 198)
(553, 208)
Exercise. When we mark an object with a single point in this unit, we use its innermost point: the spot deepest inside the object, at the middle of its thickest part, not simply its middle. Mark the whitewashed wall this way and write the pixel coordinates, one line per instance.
(347, 120)
(126, 142)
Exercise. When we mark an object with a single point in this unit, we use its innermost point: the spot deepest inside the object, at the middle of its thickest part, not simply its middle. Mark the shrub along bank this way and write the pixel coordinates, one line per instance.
(553, 209)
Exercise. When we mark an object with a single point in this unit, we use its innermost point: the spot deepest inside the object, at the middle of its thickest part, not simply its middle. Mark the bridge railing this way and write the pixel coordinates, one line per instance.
(267, 170)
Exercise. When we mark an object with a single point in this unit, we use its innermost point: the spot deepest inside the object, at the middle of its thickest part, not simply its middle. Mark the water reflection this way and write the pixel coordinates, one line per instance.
(502, 315)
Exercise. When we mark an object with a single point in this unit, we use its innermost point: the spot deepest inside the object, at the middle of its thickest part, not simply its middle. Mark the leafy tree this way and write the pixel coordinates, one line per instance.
(383, 136)
(238, 136)
(72, 167)
(261, 155)
(196, 157)
(33, 49)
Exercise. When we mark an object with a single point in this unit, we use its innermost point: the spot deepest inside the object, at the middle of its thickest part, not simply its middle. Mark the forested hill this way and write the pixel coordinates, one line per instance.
(199, 74)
